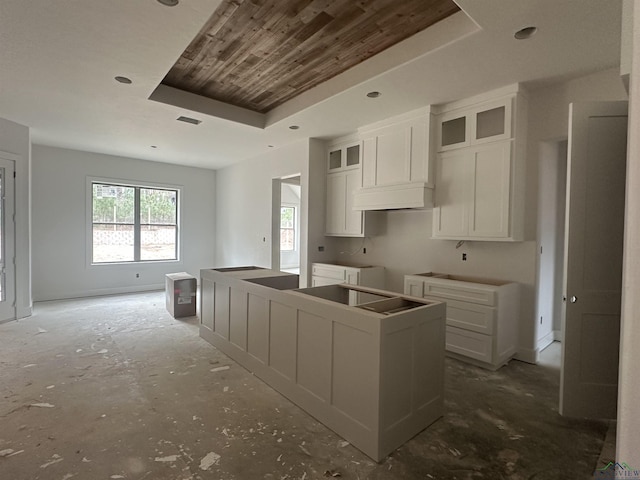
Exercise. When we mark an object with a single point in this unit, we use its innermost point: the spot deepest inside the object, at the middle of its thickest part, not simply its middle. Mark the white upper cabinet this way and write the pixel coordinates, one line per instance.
(488, 122)
(343, 157)
(480, 168)
(396, 167)
(344, 178)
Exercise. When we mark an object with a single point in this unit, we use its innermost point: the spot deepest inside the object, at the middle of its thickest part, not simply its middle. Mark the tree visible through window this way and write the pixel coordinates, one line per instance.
(132, 224)
(287, 228)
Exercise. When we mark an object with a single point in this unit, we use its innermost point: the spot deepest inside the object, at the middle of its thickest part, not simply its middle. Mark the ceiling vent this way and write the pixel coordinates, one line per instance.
(193, 121)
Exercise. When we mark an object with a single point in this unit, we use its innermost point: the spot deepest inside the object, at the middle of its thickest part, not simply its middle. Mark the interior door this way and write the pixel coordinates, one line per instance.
(7, 241)
(593, 258)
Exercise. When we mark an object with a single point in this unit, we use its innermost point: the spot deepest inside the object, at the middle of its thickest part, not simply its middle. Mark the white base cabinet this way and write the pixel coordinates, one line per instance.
(482, 315)
(332, 274)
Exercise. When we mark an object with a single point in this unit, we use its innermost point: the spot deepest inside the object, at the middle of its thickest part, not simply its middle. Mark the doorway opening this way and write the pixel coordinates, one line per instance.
(286, 220)
(7, 240)
(290, 192)
(552, 188)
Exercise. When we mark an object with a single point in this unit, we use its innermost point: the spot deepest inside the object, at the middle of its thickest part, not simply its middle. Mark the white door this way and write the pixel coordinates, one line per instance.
(593, 258)
(7, 241)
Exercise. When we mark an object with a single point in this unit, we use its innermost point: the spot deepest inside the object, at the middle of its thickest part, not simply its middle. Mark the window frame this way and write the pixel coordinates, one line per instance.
(137, 225)
(294, 228)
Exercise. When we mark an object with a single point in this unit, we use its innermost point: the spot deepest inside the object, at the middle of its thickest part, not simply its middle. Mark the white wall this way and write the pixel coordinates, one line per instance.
(244, 206)
(59, 183)
(15, 140)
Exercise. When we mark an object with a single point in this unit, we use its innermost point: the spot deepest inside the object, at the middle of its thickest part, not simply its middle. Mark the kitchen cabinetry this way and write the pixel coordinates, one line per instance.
(373, 373)
(482, 315)
(396, 163)
(331, 274)
(480, 169)
(344, 178)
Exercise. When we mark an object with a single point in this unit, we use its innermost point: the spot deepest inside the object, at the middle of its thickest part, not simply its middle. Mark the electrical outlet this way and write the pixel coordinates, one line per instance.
(464, 257)
(321, 248)
(364, 250)
(137, 275)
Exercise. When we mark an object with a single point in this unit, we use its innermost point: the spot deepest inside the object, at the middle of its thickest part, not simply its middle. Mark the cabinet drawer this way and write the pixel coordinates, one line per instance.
(322, 281)
(470, 316)
(329, 271)
(470, 344)
(479, 295)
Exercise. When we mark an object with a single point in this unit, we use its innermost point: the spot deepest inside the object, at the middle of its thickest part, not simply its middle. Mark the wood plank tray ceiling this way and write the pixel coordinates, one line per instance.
(257, 54)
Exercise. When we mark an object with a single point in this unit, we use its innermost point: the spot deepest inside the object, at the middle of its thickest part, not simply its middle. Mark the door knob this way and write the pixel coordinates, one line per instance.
(574, 299)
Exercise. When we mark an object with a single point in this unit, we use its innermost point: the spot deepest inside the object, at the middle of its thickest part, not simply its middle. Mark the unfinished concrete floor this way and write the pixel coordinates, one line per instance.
(115, 388)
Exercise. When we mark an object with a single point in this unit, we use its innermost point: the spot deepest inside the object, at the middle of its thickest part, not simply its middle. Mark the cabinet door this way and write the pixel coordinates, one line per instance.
(491, 190)
(336, 188)
(492, 121)
(342, 219)
(352, 276)
(453, 131)
(335, 159)
(413, 287)
(451, 215)
(353, 218)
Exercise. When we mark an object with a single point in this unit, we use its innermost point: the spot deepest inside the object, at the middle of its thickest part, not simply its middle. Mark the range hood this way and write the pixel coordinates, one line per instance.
(394, 197)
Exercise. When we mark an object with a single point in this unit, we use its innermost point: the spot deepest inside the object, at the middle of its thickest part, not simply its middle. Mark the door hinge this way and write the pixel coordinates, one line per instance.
(14, 174)
(540, 249)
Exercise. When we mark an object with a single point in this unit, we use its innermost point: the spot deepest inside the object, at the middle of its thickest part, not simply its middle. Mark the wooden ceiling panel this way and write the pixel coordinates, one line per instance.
(257, 54)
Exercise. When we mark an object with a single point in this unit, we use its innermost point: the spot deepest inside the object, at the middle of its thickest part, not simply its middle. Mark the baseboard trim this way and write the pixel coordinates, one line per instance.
(545, 341)
(527, 355)
(558, 336)
(99, 292)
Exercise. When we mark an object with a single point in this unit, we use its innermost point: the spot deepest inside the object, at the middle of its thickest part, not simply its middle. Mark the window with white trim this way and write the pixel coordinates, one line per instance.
(133, 223)
(287, 228)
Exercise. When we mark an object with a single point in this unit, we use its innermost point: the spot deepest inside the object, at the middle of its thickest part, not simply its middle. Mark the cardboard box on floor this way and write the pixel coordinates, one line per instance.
(180, 289)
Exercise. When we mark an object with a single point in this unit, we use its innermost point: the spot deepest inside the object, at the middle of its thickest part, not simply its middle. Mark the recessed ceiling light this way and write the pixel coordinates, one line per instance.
(123, 80)
(373, 94)
(294, 127)
(168, 3)
(525, 33)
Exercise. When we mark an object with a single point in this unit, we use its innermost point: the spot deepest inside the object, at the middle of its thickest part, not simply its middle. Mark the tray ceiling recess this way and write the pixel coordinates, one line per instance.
(257, 54)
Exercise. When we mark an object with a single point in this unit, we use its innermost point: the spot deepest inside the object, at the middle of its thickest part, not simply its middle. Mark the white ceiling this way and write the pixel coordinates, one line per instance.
(58, 60)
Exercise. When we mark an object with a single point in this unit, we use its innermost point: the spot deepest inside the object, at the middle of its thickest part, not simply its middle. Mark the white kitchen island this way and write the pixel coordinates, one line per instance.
(372, 372)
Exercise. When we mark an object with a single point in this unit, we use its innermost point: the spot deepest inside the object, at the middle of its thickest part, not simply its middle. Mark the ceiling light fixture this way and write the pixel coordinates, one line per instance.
(373, 94)
(294, 127)
(154, 146)
(168, 3)
(123, 80)
(525, 33)
(270, 146)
